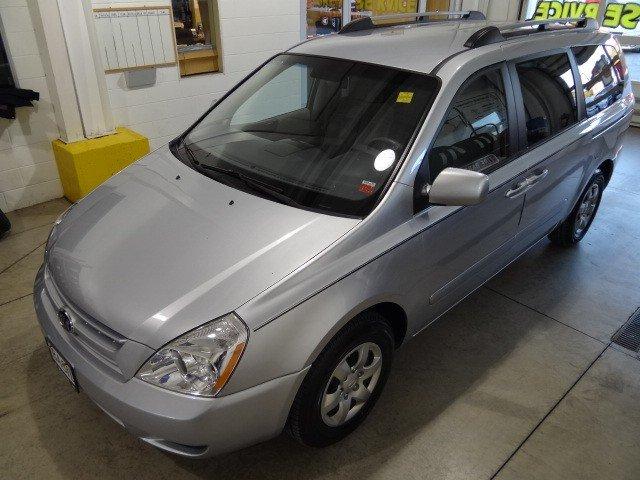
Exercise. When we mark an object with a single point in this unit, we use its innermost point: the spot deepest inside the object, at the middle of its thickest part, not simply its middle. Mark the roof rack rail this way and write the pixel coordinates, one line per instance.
(367, 23)
(495, 34)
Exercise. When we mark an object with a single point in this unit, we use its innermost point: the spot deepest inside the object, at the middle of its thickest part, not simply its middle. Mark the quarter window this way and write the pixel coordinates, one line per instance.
(549, 96)
(602, 76)
(475, 133)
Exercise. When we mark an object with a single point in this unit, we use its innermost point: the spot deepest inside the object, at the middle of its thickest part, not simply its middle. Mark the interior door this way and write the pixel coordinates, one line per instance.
(465, 248)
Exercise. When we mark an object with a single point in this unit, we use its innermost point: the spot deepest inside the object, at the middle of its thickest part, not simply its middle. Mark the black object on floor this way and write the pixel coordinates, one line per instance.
(10, 98)
(5, 224)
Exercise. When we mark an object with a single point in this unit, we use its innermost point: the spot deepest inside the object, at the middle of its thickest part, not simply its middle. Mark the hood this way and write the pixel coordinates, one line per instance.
(160, 249)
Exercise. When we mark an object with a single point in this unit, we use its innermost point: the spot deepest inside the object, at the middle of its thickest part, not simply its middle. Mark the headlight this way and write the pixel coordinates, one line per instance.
(199, 362)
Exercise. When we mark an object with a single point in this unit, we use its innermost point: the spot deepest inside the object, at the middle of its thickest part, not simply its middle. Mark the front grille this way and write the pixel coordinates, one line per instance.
(629, 335)
(100, 343)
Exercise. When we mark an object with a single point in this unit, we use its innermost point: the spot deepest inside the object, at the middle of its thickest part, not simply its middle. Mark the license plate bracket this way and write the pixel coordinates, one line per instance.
(65, 367)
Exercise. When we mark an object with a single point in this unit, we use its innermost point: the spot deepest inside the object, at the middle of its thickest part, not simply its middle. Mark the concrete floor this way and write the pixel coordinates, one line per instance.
(518, 382)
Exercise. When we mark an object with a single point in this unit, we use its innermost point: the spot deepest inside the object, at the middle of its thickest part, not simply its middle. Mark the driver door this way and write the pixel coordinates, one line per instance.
(462, 247)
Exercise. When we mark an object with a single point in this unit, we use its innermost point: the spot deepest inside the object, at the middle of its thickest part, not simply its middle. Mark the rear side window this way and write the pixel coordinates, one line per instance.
(475, 133)
(602, 75)
(549, 95)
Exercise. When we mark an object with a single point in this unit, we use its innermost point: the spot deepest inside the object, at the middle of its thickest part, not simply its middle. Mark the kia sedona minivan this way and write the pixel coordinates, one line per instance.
(257, 274)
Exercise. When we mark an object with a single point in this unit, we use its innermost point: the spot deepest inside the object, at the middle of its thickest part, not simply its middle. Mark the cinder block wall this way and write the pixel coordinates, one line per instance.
(28, 173)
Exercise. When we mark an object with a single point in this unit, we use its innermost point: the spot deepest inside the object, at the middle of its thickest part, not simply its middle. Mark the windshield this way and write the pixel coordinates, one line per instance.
(317, 133)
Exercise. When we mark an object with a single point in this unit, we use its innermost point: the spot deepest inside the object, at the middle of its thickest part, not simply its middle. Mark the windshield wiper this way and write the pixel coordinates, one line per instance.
(255, 185)
(252, 183)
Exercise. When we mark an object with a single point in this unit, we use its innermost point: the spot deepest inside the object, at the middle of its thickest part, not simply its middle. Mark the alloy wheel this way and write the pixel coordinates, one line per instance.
(587, 209)
(351, 384)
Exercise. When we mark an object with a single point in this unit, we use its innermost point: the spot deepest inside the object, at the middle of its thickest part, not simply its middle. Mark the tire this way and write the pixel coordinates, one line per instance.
(307, 423)
(576, 225)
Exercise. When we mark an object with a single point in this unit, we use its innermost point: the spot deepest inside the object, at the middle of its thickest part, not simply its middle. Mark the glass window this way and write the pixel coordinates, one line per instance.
(323, 17)
(618, 61)
(368, 8)
(196, 25)
(312, 132)
(284, 94)
(601, 82)
(475, 133)
(621, 17)
(549, 95)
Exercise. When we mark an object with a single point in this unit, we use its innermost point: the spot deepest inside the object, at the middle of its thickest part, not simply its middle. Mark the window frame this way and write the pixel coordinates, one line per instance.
(523, 144)
(423, 175)
(346, 15)
(216, 42)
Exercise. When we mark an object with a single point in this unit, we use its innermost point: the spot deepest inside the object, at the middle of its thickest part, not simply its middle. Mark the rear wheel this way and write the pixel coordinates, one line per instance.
(576, 225)
(344, 382)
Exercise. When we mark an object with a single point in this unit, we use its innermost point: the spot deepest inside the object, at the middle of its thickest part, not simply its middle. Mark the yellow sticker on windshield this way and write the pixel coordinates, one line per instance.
(405, 97)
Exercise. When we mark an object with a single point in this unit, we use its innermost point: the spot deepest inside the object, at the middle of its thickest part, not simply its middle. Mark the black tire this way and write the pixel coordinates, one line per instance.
(305, 422)
(567, 234)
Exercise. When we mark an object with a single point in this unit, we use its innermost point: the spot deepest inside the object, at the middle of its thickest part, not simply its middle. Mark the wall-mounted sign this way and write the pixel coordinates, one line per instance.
(135, 37)
(617, 15)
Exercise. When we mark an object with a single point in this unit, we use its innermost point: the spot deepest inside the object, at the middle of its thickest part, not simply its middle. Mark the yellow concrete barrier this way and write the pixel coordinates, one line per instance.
(86, 164)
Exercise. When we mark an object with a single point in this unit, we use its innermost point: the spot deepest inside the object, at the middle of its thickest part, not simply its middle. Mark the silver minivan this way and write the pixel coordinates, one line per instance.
(258, 273)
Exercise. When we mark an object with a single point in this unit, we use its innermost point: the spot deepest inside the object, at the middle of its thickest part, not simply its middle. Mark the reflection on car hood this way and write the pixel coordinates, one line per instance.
(160, 249)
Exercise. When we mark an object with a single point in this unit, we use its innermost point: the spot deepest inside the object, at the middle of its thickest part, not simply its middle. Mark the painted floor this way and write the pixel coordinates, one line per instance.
(520, 381)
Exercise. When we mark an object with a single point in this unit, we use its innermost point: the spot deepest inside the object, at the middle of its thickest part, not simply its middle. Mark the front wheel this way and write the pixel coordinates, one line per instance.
(576, 225)
(344, 382)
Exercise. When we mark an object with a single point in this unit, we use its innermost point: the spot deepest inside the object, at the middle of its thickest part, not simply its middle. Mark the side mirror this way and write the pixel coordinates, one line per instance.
(458, 187)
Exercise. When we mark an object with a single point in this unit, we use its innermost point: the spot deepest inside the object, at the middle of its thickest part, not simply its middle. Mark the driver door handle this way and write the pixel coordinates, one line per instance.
(527, 183)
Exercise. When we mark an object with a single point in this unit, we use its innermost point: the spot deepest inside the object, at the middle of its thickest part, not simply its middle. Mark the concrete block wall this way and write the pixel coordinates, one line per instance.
(28, 173)
(250, 33)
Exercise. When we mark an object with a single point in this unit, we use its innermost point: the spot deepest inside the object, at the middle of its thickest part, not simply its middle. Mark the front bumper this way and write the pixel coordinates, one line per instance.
(185, 425)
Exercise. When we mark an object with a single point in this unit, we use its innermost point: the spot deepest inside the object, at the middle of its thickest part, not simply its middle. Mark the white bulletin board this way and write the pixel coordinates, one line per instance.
(135, 37)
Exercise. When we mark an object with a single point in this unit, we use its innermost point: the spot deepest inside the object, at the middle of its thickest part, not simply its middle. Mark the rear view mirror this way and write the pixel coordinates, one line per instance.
(459, 187)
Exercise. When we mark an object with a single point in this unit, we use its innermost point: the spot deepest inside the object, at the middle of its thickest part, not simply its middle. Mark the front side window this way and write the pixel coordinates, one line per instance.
(548, 94)
(602, 82)
(317, 133)
(475, 133)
